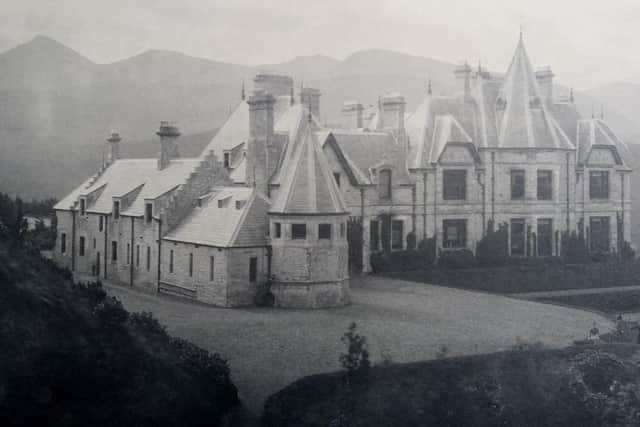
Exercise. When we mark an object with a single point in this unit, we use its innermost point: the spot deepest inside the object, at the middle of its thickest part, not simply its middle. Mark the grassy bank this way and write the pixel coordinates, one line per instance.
(578, 386)
(608, 302)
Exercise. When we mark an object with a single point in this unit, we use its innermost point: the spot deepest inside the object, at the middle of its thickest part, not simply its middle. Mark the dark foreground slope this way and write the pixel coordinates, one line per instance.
(71, 356)
(587, 386)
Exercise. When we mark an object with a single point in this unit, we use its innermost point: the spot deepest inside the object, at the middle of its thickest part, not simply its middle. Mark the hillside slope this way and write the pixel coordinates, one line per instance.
(71, 356)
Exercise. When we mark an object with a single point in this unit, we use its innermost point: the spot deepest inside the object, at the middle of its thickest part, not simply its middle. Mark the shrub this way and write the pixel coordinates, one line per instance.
(147, 324)
(397, 261)
(356, 360)
(493, 249)
(427, 248)
(411, 240)
(574, 248)
(627, 252)
(110, 312)
(459, 258)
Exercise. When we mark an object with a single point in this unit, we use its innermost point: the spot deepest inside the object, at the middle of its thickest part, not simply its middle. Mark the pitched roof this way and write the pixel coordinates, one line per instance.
(308, 185)
(523, 118)
(126, 175)
(230, 216)
(595, 133)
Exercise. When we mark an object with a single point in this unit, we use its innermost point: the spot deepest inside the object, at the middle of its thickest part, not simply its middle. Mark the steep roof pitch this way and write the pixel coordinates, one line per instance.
(229, 217)
(126, 175)
(523, 118)
(308, 185)
(595, 133)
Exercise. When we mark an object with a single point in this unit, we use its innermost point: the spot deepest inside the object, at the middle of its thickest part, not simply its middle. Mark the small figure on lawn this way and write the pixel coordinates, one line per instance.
(594, 333)
(620, 325)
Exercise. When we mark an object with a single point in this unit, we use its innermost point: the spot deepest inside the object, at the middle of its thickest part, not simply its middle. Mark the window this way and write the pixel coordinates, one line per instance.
(100, 223)
(599, 234)
(63, 242)
(148, 258)
(116, 209)
(397, 234)
(211, 268)
(253, 269)
(226, 160)
(342, 226)
(517, 184)
(299, 231)
(190, 265)
(114, 251)
(171, 261)
(324, 231)
(454, 184)
(81, 248)
(83, 207)
(599, 184)
(277, 232)
(137, 255)
(336, 176)
(128, 259)
(545, 237)
(384, 184)
(374, 235)
(545, 179)
(517, 237)
(148, 212)
(454, 233)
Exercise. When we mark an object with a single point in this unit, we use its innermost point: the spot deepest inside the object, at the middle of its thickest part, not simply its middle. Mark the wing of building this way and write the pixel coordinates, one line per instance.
(279, 203)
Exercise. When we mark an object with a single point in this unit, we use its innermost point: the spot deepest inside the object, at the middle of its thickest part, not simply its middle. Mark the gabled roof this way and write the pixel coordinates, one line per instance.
(446, 130)
(329, 142)
(522, 117)
(594, 133)
(307, 185)
(229, 217)
(126, 175)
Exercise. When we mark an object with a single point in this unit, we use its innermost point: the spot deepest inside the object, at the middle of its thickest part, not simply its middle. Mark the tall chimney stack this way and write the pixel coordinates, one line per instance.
(352, 112)
(544, 76)
(462, 73)
(392, 111)
(114, 146)
(168, 133)
(260, 139)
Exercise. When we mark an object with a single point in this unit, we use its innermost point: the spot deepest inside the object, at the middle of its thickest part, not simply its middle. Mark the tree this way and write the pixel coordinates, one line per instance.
(493, 249)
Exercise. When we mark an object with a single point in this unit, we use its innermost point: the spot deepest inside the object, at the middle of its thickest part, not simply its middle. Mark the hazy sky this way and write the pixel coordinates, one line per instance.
(586, 42)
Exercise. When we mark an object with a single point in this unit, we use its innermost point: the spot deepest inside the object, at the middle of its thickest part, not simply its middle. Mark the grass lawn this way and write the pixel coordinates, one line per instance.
(528, 278)
(608, 302)
(594, 385)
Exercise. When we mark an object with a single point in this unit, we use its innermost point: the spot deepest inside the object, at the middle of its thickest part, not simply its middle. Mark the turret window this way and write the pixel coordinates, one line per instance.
(454, 184)
(384, 184)
(599, 185)
(517, 184)
(324, 231)
(299, 231)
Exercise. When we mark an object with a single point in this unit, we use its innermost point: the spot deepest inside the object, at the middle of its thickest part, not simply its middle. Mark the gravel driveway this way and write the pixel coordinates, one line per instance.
(405, 321)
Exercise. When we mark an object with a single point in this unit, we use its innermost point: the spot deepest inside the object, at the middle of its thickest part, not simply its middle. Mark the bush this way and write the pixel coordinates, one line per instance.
(456, 259)
(627, 252)
(397, 261)
(356, 360)
(493, 249)
(574, 249)
(427, 248)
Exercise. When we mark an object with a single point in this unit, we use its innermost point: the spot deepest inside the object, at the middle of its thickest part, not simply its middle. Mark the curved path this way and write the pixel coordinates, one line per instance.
(403, 321)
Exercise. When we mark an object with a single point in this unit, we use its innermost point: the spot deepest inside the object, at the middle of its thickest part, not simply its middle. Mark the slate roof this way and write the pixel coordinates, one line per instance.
(595, 133)
(125, 176)
(307, 182)
(229, 217)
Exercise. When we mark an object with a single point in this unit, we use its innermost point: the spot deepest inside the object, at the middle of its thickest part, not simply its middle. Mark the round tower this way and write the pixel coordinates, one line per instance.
(308, 232)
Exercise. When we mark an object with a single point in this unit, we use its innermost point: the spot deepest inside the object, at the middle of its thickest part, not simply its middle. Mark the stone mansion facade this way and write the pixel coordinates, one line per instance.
(270, 199)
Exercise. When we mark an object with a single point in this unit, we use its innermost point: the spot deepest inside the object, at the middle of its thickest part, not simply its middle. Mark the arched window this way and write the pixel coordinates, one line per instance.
(384, 184)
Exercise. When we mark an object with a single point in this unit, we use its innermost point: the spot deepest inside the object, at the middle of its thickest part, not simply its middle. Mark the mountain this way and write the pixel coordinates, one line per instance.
(56, 106)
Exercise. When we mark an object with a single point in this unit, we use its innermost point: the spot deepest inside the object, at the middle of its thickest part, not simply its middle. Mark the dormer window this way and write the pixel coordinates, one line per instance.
(227, 160)
(384, 184)
(148, 212)
(83, 207)
(116, 209)
(240, 204)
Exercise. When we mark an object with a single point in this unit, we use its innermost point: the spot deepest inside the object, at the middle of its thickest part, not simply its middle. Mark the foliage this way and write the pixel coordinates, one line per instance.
(530, 386)
(397, 261)
(627, 252)
(71, 355)
(456, 259)
(356, 360)
(411, 240)
(574, 248)
(13, 224)
(427, 248)
(493, 249)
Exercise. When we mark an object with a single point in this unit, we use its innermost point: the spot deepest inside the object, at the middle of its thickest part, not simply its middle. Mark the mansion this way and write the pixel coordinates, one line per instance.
(272, 198)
